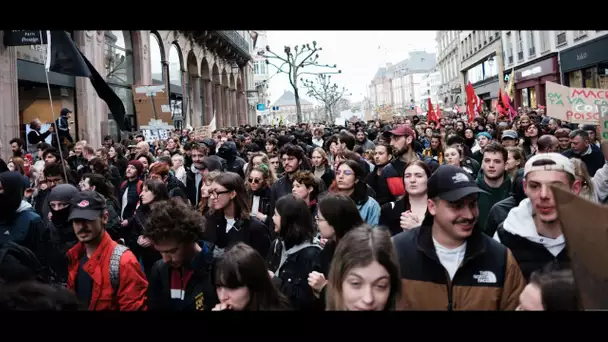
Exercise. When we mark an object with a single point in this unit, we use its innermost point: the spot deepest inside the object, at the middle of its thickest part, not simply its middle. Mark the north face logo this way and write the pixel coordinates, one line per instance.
(485, 277)
(459, 178)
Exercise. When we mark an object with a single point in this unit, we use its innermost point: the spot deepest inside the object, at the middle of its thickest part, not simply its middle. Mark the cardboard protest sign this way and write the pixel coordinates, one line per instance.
(152, 105)
(585, 228)
(576, 105)
(202, 132)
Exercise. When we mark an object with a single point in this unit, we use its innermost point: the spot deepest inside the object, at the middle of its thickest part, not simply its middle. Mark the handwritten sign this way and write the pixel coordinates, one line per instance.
(202, 132)
(576, 105)
(150, 135)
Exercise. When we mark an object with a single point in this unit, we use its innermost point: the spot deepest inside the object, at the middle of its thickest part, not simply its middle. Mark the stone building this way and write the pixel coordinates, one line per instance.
(205, 72)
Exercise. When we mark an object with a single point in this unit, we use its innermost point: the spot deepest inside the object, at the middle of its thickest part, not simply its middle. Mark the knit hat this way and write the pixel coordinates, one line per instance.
(138, 166)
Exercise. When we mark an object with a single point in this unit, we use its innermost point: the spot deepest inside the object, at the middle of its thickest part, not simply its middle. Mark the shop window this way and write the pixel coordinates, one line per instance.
(589, 76)
(575, 79)
(524, 97)
(602, 76)
(118, 63)
(532, 94)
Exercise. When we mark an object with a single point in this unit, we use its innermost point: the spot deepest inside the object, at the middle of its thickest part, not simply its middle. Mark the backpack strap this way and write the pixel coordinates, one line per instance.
(117, 253)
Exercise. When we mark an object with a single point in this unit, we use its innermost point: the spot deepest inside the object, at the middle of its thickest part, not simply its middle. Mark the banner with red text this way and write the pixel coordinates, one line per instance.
(576, 105)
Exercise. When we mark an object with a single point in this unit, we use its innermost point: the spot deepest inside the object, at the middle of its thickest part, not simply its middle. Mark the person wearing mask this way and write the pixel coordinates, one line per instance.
(401, 139)
(494, 180)
(95, 182)
(229, 221)
(364, 274)
(583, 149)
(383, 154)
(451, 254)
(349, 182)
(130, 190)
(293, 255)
(409, 211)
(103, 274)
(211, 152)
(242, 282)
(532, 230)
(234, 163)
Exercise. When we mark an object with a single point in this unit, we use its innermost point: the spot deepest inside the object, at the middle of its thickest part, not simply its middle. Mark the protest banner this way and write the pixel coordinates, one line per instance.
(576, 105)
(585, 228)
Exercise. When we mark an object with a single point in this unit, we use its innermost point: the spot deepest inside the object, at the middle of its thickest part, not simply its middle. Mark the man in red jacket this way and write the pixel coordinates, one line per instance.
(103, 274)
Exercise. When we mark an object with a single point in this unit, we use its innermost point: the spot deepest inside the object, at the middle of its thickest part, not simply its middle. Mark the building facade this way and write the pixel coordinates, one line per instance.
(203, 71)
(583, 58)
(448, 65)
(399, 85)
(261, 75)
(481, 63)
(429, 88)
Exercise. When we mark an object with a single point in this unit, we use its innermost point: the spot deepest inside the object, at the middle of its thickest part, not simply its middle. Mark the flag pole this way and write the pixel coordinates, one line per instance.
(47, 65)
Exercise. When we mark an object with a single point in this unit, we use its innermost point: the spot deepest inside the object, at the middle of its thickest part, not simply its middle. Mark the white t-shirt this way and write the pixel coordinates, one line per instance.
(450, 258)
(255, 206)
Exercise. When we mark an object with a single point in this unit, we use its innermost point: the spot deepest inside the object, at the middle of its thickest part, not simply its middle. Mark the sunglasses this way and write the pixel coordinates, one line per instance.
(255, 180)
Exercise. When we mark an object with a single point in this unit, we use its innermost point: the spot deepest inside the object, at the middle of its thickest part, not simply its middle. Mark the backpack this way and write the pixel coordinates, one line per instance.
(117, 253)
(19, 263)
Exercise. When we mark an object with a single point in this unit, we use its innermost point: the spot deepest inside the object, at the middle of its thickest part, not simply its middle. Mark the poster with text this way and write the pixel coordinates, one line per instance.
(576, 105)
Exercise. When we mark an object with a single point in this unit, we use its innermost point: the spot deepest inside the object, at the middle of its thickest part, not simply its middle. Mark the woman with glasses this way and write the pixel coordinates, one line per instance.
(259, 180)
(293, 254)
(336, 216)
(349, 182)
(229, 218)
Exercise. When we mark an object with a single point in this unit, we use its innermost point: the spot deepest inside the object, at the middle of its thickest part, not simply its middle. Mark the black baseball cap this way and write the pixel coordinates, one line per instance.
(87, 205)
(451, 183)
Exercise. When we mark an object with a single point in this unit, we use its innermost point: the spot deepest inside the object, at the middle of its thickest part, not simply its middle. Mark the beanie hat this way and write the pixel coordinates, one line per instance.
(138, 166)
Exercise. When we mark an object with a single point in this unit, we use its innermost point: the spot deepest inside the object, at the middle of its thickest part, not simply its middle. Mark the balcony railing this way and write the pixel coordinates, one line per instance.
(237, 41)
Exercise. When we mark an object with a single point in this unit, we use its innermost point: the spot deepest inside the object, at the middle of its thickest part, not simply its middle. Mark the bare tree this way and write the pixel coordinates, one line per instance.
(322, 90)
(293, 64)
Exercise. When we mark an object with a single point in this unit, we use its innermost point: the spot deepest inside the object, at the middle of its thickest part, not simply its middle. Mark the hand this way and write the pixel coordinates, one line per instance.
(271, 274)
(221, 307)
(408, 220)
(317, 281)
(261, 216)
(51, 129)
(143, 241)
(322, 242)
(124, 223)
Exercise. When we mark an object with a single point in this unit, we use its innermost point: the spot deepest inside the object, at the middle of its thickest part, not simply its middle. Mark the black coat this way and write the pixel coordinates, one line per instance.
(251, 231)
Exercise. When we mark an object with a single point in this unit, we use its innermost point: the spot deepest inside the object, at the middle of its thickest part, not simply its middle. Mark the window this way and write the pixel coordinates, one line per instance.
(520, 46)
(602, 76)
(531, 43)
(579, 34)
(544, 41)
(175, 66)
(508, 43)
(118, 64)
(259, 68)
(560, 37)
(156, 59)
(575, 79)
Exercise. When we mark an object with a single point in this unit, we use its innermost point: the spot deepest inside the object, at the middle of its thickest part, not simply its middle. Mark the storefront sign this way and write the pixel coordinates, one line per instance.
(536, 70)
(24, 37)
(577, 105)
(586, 54)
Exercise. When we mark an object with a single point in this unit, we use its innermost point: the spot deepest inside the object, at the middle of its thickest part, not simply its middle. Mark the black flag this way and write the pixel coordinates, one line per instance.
(67, 59)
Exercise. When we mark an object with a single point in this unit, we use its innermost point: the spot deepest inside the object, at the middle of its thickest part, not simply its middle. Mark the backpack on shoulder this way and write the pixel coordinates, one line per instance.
(19, 263)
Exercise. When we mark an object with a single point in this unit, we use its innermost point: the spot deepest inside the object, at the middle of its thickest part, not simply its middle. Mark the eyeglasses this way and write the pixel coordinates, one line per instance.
(216, 194)
(345, 172)
(255, 180)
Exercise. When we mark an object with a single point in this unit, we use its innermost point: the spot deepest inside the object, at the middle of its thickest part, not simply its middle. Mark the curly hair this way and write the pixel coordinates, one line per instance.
(174, 220)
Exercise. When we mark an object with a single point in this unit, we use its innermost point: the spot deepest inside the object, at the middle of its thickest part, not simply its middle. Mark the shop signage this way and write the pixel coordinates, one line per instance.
(584, 55)
(24, 37)
(536, 70)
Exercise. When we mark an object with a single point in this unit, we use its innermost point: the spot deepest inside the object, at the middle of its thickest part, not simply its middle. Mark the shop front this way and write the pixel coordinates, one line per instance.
(586, 65)
(530, 80)
(33, 94)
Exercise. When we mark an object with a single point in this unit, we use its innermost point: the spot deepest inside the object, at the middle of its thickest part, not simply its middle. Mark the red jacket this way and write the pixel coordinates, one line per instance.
(132, 291)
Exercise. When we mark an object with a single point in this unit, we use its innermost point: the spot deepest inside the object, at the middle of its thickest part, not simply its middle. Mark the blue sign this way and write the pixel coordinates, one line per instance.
(261, 107)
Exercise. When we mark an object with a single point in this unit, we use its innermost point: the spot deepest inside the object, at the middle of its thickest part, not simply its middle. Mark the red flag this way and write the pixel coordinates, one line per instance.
(471, 101)
(430, 115)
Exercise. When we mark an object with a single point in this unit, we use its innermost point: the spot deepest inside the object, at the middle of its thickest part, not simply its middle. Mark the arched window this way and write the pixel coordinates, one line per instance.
(156, 59)
(176, 99)
(118, 62)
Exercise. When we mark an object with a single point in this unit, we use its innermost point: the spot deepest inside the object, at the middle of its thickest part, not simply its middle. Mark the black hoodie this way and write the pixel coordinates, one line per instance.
(18, 220)
(234, 163)
(62, 234)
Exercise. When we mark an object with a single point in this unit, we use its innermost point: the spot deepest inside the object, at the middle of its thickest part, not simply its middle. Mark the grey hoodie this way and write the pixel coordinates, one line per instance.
(292, 250)
(520, 222)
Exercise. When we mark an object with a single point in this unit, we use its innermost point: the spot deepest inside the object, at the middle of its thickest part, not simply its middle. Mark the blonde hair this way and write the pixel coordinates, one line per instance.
(266, 171)
(323, 154)
(587, 186)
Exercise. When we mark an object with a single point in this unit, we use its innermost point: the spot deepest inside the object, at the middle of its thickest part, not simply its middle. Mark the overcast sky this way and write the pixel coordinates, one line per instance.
(357, 53)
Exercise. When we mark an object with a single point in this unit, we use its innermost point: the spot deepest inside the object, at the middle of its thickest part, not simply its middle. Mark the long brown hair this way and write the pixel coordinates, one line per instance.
(359, 248)
(240, 266)
(233, 182)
